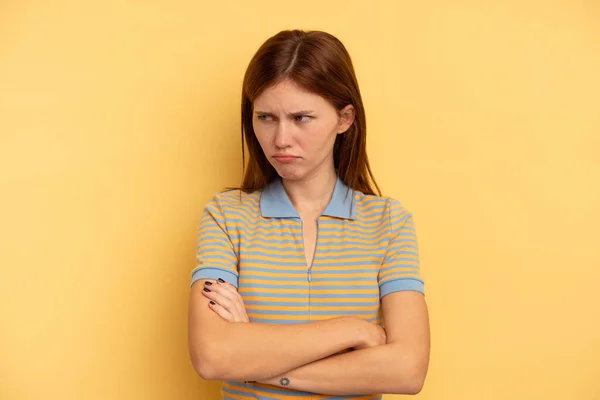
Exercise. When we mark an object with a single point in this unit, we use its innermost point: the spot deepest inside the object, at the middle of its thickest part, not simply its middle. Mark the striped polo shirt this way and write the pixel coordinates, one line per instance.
(366, 248)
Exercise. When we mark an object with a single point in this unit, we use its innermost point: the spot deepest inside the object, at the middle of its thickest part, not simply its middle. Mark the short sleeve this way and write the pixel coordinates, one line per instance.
(400, 269)
(215, 254)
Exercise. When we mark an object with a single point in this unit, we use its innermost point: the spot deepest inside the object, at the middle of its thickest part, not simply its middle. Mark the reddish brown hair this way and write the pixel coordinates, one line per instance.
(318, 62)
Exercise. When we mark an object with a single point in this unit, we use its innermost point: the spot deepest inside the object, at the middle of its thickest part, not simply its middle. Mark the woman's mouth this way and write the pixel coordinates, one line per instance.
(284, 158)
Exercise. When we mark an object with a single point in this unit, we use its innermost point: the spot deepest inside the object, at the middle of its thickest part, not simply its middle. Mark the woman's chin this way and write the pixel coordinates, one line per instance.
(289, 173)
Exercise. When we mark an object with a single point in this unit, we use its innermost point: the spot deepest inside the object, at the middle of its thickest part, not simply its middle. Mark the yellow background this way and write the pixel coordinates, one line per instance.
(120, 119)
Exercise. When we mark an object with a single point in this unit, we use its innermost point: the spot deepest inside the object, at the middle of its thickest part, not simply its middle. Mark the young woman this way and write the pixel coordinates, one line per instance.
(299, 270)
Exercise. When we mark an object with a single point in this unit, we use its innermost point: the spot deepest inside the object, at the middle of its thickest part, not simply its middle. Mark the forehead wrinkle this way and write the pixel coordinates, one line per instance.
(286, 90)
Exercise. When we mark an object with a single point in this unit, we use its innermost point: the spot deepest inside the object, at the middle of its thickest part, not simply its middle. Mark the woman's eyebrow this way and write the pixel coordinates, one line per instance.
(294, 114)
(302, 112)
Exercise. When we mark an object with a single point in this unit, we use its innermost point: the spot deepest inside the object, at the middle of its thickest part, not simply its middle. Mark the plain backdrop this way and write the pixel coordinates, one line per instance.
(120, 119)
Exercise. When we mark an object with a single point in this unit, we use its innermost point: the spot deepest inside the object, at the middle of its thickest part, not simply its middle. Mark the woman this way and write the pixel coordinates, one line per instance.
(299, 269)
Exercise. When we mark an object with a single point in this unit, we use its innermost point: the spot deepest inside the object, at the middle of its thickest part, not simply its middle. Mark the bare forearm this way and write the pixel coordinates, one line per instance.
(269, 350)
(382, 369)
(255, 351)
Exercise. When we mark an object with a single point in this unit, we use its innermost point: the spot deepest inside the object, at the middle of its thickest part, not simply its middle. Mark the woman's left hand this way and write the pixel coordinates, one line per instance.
(225, 301)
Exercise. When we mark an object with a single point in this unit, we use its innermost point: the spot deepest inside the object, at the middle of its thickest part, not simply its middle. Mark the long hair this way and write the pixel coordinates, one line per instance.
(318, 62)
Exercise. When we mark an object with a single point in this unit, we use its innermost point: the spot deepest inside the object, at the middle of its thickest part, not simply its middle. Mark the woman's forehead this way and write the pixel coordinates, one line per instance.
(287, 94)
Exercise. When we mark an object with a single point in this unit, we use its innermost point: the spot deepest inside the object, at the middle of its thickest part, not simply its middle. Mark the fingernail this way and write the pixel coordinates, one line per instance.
(221, 280)
(207, 283)
(206, 290)
(212, 302)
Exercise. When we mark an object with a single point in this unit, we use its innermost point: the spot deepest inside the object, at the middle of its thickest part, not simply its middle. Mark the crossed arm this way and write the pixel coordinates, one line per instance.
(223, 346)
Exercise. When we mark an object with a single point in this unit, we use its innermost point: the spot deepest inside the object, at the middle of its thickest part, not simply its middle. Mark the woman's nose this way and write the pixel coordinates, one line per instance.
(283, 135)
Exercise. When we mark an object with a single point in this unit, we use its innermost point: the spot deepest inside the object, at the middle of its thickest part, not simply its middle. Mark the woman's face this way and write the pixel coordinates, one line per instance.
(297, 129)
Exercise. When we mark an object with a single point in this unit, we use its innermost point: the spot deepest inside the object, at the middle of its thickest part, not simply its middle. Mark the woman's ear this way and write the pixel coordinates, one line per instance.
(346, 119)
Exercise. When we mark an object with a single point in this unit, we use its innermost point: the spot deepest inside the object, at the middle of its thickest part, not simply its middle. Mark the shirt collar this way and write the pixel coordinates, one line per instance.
(274, 202)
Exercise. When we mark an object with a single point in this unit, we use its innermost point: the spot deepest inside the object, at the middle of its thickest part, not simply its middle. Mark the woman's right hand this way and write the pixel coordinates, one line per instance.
(370, 335)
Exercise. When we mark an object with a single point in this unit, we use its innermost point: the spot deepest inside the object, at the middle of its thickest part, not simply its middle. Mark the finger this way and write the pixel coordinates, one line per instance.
(233, 294)
(220, 311)
(226, 286)
(218, 302)
(216, 296)
(230, 301)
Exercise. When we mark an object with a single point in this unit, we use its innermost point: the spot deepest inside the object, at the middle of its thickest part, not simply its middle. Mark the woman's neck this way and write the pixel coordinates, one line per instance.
(311, 195)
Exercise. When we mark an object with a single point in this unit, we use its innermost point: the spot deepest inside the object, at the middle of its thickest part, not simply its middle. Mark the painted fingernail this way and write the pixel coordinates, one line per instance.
(221, 280)
(207, 283)
(212, 302)
(206, 290)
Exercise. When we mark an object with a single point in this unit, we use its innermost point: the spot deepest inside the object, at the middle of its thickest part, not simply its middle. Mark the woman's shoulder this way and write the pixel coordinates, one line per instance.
(384, 204)
(232, 199)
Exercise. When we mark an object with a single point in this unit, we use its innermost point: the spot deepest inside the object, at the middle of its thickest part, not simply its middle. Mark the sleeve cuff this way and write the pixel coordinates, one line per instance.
(402, 284)
(214, 273)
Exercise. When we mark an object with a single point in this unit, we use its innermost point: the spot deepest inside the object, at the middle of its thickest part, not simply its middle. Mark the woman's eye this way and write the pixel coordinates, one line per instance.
(299, 118)
(265, 117)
